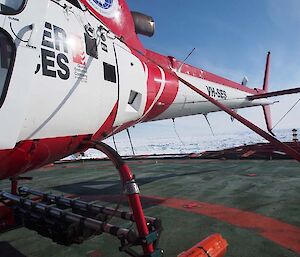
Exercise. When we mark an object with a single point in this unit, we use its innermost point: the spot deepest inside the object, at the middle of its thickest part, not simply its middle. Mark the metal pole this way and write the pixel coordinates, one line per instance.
(131, 189)
(130, 142)
(290, 151)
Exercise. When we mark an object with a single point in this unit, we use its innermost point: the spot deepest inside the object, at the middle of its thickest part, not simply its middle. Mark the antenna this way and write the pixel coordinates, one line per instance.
(286, 114)
(245, 81)
(173, 119)
(205, 115)
(130, 142)
(231, 117)
(179, 69)
(115, 143)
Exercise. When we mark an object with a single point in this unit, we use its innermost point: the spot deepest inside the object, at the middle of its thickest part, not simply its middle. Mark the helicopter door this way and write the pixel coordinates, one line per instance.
(20, 37)
(132, 86)
(10, 8)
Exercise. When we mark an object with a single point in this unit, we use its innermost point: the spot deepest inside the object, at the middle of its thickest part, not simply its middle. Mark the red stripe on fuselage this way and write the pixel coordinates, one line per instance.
(121, 23)
(126, 125)
(153, 84)
(32, 154)
(107, 127)
(171, 62)
(168, 95)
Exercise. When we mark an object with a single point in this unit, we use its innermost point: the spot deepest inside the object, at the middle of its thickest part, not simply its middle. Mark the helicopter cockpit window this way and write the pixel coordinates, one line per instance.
(11, 6)
(7, 55)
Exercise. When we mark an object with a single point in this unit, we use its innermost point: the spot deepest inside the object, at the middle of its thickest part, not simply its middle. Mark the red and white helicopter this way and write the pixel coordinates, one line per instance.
(74, 72)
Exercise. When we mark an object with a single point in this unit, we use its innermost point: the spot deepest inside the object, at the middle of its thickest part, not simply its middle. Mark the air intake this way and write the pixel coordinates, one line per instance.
(144, 24)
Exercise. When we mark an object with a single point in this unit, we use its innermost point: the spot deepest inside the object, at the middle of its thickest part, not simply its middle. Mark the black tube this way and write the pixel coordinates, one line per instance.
(84, 206)
(96, 225)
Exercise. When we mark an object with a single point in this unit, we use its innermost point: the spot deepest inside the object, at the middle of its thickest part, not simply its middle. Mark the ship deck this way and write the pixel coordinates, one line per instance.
(254, 204)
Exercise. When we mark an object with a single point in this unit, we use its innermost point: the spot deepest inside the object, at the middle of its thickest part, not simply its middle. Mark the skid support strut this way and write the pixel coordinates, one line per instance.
(132, 190)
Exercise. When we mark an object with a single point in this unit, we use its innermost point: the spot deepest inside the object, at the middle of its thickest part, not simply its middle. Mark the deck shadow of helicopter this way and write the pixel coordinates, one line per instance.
(111, 190)
(7, 250)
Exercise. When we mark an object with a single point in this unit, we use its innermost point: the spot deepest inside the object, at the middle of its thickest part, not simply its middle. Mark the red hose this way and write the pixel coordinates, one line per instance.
(134, 200)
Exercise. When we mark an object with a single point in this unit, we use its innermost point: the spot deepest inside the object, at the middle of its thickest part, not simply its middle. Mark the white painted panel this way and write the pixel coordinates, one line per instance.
(79, 104)
(2, 20)
(16, 102)
(132, 78)
(188, 102)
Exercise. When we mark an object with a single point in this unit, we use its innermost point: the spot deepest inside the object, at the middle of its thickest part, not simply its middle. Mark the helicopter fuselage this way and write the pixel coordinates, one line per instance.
(75, 71)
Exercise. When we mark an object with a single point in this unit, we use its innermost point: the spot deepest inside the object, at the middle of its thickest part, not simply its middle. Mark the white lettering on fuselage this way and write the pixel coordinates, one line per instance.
(54, 53)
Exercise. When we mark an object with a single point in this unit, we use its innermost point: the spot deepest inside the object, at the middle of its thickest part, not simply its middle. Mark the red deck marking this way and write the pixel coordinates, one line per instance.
(251, 175)
(95, 253)
(283, 234)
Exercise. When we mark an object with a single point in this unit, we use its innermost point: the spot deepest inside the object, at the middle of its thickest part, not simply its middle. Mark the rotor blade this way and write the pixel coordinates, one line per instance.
(288, 150)
(275, 93)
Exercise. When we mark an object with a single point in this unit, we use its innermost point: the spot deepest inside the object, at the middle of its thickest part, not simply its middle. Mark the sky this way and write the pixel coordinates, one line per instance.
(232, 39)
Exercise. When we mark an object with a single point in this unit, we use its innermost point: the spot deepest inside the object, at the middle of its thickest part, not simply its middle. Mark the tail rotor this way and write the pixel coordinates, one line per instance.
(266, 108)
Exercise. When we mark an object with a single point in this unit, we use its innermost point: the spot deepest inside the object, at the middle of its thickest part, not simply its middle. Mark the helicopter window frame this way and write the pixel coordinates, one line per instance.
(74, 3)
(12, 58)
(109, 72)
(12, 11)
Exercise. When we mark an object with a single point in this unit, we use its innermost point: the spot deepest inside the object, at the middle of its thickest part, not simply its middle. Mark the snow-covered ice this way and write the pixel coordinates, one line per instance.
(190, 144)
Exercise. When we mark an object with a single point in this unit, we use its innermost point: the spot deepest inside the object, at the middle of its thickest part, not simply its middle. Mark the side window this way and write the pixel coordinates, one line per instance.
(109, 72)
(7, 56)
(9, 7)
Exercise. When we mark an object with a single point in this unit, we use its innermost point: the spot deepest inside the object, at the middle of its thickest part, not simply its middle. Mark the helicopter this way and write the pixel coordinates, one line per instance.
(76, 73)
